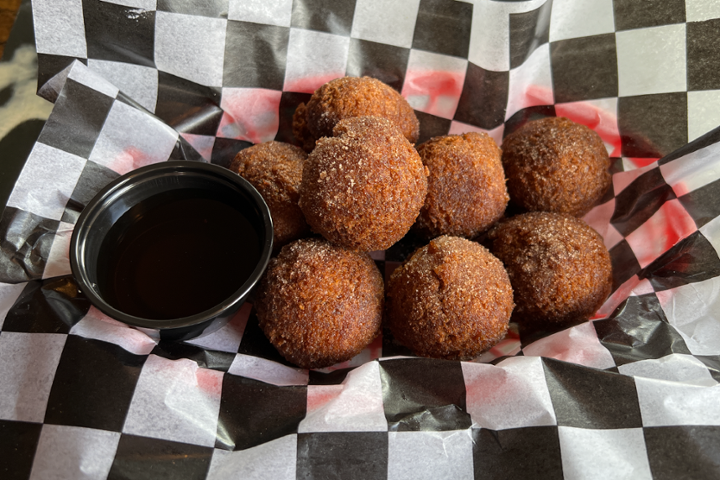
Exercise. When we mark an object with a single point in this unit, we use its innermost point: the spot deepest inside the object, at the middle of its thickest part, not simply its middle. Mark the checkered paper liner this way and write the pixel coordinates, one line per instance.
(632, 393)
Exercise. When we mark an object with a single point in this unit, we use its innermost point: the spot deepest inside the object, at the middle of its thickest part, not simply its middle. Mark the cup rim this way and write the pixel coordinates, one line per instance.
(115, 189)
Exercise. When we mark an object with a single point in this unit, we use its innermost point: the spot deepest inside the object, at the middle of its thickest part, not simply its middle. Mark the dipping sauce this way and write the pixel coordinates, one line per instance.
(177, 254)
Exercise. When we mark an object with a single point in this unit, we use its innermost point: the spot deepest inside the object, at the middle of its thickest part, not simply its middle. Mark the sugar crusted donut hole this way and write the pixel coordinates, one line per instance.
(556, 165)
(466, 185)
(451, 299)
(320, 304)
(559, 267)
(275, 170)
(363, 188)
(350, 97)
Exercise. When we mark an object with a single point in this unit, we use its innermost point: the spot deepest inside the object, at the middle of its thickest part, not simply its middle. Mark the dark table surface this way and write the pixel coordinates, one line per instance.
(8, 11)
(22, 113)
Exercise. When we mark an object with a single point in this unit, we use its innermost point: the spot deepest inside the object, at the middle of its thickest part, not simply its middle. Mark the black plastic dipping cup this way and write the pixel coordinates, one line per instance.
(173, 248)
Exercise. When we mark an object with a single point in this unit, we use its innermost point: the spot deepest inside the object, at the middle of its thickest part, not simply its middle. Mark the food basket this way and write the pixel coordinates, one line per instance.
(632, 393)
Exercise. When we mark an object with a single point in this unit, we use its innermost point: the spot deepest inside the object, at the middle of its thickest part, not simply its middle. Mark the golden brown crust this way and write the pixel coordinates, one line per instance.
(275, 170)
(466, 185)
(556, 165)
(363, 188)
(319, 304)
(350, 97)
(452, 299)
(559, 266)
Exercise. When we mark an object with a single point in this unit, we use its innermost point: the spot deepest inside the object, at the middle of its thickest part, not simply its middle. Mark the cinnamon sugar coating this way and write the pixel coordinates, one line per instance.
(319, 304)
(349, 97)
(451, 299)
(559, 266)
(556, 165)
(363, 188)
(275, 170)
(466, 186)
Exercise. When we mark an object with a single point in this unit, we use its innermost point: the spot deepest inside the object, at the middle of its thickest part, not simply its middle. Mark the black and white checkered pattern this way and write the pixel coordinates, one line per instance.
(235, 70)
(631, 394)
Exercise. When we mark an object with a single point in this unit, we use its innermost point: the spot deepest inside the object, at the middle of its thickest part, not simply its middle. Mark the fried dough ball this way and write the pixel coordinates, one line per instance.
(556, 165)
(559, 267)
(350, 97)
(319, 304)
(300, 129)
(275, 170)
(452, 299)
(363, 188)
(466, 186)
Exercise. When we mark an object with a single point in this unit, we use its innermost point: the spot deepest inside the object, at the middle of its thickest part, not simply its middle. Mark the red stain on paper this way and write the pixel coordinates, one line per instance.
(536, 95)
(531, 96)
(209, 381)
(320, 395)
(434, 92)
(681, 188)
(130, 159)
(250, 114)
(670, 224)
(433, 83)
(484, 384)
(597, 316)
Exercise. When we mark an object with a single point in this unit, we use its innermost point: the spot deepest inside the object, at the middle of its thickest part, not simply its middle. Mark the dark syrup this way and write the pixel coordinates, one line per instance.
(176, 254)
